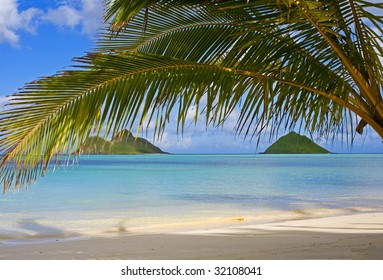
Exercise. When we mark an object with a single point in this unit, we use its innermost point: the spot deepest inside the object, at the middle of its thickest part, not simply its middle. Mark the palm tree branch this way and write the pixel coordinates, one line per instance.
(327, 95)
(177, 27)
(170, 32)
(282, 39)
(174, 64)
(362, 41)
(354, 72)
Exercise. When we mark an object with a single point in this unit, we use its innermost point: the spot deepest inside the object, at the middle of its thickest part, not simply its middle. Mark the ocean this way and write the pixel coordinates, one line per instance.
(130, 194)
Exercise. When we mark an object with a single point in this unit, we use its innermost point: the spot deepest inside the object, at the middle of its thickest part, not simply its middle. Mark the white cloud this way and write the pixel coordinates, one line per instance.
(63, 16)
(92, 11)
(171, 141)
(87, 15)
(12, 21)
(3, 100)
(84, 14)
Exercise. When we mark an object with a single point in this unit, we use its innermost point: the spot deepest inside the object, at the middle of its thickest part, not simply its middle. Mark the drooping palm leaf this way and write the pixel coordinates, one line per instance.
(311, 64)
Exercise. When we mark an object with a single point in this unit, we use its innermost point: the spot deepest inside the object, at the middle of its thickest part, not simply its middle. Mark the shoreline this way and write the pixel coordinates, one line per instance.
(33, 230)
(344, 236)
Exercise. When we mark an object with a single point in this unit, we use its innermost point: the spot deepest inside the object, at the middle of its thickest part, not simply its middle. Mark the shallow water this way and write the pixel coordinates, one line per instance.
(151, 192)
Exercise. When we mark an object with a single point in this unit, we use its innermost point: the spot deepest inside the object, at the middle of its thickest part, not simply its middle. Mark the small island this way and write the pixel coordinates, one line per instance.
(293, 143)
(123, 143)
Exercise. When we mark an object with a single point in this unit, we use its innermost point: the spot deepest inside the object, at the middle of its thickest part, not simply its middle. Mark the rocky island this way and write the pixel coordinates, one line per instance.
(124, 143)
(293, 143)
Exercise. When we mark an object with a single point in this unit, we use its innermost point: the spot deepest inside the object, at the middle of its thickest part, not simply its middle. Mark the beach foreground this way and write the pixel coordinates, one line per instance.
(358, 236)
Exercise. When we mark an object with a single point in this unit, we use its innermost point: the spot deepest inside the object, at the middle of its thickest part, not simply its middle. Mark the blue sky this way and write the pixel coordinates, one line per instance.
(40, 37)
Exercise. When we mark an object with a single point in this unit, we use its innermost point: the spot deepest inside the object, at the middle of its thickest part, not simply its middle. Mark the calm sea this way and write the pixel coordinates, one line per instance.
(129, 194)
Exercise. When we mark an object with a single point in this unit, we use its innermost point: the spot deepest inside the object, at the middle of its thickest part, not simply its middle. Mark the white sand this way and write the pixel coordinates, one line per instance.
(358, 236)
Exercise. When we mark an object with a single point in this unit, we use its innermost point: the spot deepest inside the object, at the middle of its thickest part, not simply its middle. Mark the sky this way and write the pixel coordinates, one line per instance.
(40, 37)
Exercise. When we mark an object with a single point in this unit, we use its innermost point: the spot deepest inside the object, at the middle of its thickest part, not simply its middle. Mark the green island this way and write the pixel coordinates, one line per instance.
(122, 143)
(293, 143)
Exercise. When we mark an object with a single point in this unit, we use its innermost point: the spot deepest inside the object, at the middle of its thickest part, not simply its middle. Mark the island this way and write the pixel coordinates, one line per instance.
(293, 143)
(123, 143)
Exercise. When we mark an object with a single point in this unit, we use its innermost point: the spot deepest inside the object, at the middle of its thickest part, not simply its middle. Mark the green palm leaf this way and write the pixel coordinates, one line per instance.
(311, 65)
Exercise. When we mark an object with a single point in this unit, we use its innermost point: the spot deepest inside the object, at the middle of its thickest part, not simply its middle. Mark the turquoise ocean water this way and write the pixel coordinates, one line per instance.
(130, 194)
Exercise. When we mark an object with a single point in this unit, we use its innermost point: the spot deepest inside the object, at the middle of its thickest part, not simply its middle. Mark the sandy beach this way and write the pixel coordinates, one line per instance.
(357, 236)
